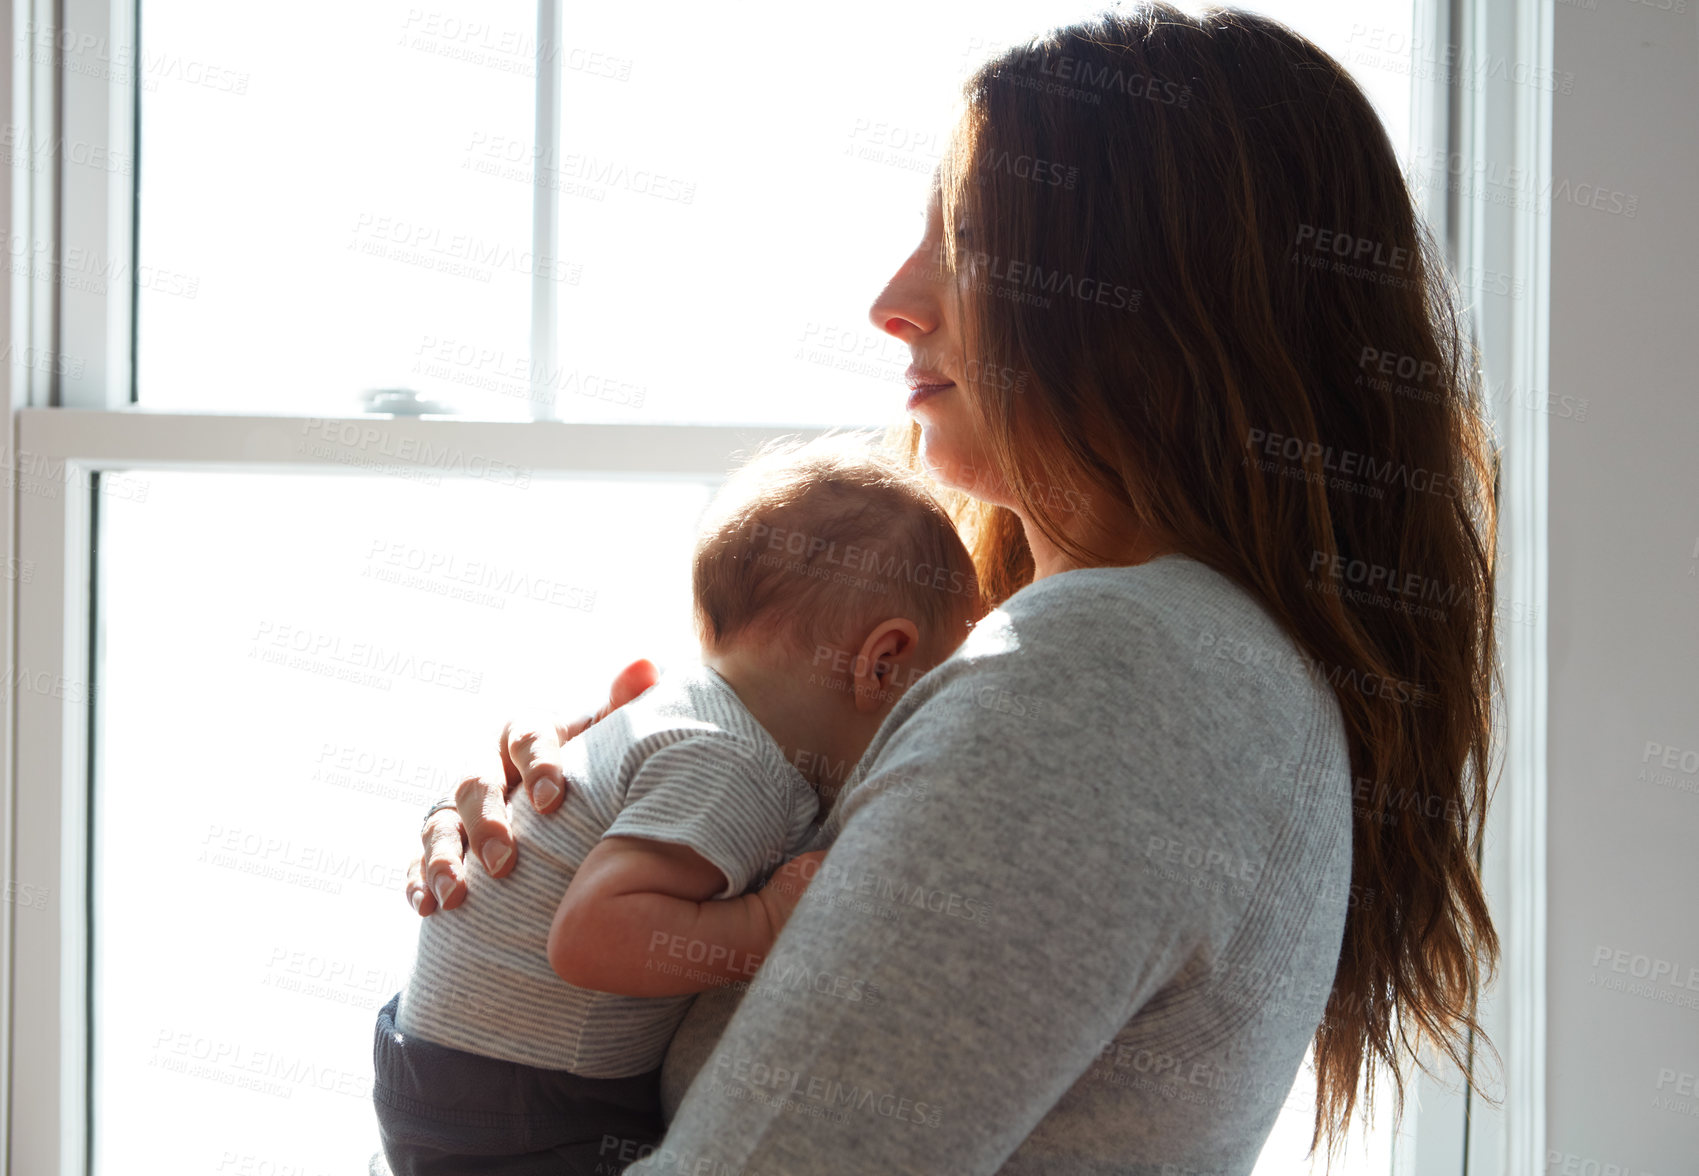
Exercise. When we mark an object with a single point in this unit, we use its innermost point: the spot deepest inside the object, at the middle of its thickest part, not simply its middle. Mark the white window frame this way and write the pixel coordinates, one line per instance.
(1509, 122)
(1504, 117)
(70, 431)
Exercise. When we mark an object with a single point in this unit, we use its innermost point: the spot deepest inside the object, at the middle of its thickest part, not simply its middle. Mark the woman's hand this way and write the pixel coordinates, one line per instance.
(530, 758)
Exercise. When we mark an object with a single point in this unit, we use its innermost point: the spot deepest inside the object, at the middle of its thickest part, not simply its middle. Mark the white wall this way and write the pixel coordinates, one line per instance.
(1624, 593)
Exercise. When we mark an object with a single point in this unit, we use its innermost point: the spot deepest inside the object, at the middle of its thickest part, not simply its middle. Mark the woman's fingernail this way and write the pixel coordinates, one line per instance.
(417, 899)
(495, 856)
(545, 793)
(442, 888)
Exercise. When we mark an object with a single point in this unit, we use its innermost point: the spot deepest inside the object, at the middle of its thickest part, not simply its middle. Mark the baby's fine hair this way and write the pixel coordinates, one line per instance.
(814, 543)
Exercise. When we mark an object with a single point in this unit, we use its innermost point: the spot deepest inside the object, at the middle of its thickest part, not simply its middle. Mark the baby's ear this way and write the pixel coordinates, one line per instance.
(886, 664)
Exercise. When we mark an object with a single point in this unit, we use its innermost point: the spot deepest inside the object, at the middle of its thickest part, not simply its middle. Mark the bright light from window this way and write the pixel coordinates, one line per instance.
(295, 667)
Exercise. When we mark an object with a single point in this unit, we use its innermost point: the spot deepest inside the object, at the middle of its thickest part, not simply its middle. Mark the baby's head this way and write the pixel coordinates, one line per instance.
(829, 570)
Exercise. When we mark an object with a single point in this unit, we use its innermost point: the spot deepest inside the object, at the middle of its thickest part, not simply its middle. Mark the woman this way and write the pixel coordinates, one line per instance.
(1192, 799)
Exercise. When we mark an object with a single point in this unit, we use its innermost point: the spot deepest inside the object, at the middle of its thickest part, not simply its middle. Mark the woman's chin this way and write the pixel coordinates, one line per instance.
(974, 478)
(940, 461)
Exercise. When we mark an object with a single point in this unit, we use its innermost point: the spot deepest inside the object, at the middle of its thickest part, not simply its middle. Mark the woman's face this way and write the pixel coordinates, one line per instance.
(919, 306)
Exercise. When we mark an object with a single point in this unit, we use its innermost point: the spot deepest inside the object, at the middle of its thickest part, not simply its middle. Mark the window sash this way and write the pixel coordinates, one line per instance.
(62, 455)
(99, 111)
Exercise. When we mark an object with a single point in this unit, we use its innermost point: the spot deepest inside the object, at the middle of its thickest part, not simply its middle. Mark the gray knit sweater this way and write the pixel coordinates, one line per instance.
(1081, 914)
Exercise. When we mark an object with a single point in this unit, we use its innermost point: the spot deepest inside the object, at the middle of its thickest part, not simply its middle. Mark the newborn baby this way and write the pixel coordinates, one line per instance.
(530, 1034)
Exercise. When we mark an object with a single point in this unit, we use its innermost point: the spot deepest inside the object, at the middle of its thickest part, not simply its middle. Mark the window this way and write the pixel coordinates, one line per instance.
(600, 253)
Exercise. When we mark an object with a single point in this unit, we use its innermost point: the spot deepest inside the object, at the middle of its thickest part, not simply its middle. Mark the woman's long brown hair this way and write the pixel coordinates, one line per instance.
(1193, 283)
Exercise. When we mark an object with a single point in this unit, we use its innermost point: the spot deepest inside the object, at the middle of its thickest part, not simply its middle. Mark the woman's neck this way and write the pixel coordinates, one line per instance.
(1123, 546)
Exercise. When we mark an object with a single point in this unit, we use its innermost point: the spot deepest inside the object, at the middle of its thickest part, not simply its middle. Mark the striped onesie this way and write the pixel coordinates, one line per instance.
(686, 763)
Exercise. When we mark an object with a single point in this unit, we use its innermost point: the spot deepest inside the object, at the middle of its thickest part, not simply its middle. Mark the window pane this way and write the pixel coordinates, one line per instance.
(732, 192)
(294, 668)
(308, 220)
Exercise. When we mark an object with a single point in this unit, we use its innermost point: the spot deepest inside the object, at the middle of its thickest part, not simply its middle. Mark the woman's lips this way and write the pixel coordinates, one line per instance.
(925, 392)
(923, 385)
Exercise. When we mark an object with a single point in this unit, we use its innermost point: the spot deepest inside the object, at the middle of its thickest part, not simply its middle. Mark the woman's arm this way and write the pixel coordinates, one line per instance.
(530, 759)
(993, 1000)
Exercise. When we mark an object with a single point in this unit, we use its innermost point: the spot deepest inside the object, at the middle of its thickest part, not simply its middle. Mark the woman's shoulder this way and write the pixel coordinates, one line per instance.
(1161, 704)
(1173, 612)
(1168, 669)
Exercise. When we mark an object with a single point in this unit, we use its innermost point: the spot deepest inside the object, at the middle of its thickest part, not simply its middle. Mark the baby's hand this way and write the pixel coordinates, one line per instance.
(784, 889)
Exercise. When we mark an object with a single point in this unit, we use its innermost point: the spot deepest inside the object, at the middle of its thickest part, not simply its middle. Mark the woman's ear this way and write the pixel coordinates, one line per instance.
(885, 665)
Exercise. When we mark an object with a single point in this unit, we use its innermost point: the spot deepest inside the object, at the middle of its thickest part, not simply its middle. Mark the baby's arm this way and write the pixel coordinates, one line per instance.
(640, 919)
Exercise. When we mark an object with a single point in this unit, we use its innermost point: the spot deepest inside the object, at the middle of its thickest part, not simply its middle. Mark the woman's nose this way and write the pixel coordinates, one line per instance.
(908, 305)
